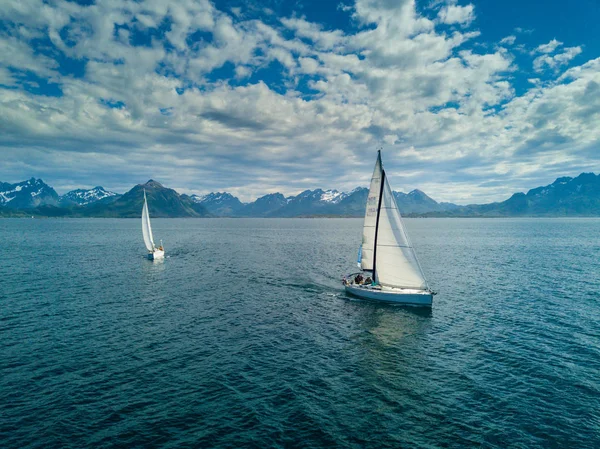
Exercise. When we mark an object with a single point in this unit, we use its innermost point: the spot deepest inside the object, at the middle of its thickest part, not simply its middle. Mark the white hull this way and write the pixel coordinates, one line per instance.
(392, 295)
(158, 254)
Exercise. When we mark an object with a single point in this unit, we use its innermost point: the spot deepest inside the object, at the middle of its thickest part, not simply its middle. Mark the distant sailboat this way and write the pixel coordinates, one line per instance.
(153, 251)
(390, 268)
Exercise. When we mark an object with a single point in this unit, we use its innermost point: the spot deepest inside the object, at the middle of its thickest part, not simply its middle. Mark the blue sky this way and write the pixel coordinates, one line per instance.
(471, 101)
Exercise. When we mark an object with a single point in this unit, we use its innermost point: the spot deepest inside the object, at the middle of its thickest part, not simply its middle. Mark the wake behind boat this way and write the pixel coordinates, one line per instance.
(390, 269)
(153, 252)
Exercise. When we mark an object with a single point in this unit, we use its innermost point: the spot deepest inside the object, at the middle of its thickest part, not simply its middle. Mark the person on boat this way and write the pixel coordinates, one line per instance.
(358, 279)
(368, 281)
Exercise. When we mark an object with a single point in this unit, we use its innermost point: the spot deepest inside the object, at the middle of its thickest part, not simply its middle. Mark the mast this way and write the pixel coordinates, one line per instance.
(377, 220)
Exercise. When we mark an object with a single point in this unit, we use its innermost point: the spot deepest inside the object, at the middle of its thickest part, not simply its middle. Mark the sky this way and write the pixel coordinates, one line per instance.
(470, 101)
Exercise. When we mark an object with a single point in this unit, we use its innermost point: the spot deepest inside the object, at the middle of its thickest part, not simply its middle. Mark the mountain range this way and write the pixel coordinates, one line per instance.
(34, 197)
(566, 196)
(313, 203)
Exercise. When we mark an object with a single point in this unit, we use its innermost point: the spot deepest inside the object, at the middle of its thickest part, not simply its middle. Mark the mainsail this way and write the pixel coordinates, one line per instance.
(396, 261)
(146, 228)
(386, 248)
(368, 240)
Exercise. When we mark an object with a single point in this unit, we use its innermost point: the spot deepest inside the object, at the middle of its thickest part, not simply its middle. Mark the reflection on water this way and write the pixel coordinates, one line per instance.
(391, 323)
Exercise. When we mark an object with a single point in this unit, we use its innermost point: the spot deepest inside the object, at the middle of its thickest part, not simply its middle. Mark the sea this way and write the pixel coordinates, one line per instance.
(243, 336)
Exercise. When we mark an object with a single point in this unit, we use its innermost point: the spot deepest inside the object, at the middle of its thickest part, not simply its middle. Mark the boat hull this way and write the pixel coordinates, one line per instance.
(158, 254)
(420, 298)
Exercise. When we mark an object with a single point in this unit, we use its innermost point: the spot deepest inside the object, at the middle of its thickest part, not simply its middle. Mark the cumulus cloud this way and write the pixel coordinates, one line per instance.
(555, 61)
(549, 47)
(204, 98)
(456, 14)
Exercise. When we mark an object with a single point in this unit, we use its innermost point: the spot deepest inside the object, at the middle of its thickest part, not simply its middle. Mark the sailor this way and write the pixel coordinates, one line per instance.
(358, 279)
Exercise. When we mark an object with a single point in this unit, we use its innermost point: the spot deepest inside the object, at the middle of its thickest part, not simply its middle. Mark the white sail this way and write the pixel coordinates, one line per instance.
(146, 228)
(396, 261)
(368, 239)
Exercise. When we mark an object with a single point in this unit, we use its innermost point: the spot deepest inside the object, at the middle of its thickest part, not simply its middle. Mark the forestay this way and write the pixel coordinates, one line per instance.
(368, 239)
(146, 228)
(397, 264)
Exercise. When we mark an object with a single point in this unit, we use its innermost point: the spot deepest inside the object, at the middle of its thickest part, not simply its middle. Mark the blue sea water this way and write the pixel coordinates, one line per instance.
(243, 336)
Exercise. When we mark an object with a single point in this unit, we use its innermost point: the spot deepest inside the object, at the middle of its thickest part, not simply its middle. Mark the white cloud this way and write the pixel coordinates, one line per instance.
(456, 14)
(18, 55)
(521, 30)
(549, 47)
(6, 78)
(448, 113)
(308, 65)
(556, 61)
(323, 40)
(509, 40)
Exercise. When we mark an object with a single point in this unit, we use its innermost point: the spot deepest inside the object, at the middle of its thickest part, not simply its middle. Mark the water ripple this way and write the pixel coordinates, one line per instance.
(243, 337)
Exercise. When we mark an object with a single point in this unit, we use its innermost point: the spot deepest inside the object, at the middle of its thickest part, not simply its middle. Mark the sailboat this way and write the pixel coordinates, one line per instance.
(153, 252)
(390, 269)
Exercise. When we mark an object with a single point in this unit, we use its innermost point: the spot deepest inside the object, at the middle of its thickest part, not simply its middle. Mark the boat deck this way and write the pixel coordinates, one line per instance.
(408, 296)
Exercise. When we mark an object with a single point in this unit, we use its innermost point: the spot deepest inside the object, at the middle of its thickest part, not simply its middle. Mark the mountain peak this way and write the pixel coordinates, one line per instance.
(584, 177)
(33, 182)
(271, 195)
(219, 203)
(83, 197)
(563, 180)
(153, 183)
(214, 197)
(333, 196)
(27, 194)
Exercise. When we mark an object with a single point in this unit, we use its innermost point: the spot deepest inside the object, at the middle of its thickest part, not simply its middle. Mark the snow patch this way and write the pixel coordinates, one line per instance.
(83, 197)
(4, 199)
(215, 198)
(333, 196)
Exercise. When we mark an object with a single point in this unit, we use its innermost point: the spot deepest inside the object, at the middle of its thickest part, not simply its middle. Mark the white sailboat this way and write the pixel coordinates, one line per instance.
(390, 269)
(153, 252)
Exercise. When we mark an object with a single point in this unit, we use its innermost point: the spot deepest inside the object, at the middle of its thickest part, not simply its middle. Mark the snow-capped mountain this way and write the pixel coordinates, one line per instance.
(310, 203)
(162, 202)
(213, 197)
(320, 195)
(83, 196)
(198, 198)
(27, 194)
(219, 203)
(333, 196)
(579, 196)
